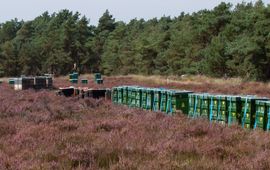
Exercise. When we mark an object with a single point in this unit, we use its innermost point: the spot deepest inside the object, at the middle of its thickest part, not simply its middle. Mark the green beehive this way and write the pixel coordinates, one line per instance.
(194, 105)
(218, 109)
(120, 95)
(70, 76)
(114, 95)
(75, 75)
(191, 103)
(11, 81)
(261, 115)
(129, 100)
(267, 117)
(248, 111)
(149, 99)
(178, 101)
(204, 105)
(75, 81)
(98, 78)
(156, 99)
(99, 81)
(125, 95)
(234, 110)
(84, 81)
(132, 96)
(138, 97)
(144, 98)
(163, 100)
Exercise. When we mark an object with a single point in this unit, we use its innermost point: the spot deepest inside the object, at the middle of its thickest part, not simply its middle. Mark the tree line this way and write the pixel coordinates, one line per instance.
(231, 41)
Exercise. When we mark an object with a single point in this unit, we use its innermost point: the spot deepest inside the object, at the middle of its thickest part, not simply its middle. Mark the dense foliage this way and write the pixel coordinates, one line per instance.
(225, 41)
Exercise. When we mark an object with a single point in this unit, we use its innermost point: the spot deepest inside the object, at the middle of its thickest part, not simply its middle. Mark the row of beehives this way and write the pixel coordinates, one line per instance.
(248, 111)
(39, 82)
(74, 77)
(84, 92)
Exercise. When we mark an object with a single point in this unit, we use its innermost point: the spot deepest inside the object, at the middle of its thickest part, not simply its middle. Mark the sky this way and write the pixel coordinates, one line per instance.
(122, 10)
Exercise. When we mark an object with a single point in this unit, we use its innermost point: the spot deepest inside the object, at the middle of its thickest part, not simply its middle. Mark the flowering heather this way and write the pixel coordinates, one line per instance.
(39, 130)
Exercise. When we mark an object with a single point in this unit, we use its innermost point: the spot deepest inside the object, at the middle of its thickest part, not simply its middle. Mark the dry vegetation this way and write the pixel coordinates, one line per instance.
(39, 130)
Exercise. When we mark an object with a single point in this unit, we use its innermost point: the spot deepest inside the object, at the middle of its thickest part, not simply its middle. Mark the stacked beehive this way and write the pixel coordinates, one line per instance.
(73, 77)
(98, 78)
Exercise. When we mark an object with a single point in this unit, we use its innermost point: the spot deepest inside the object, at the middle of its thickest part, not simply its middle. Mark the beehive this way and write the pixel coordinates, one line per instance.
(218, 108)
(74, 81)
(248, 104)
(84, 81)
(156, 99)
(267, 117)
(149, 98)
(49, 82)
(120, 94)
(138, 97)
(114, 95)
(163, 100)
(261, 115)
(99, 81)
(24, 83)
(194, 105)
(125, 95)
(204, 104)
(40, 82)
(97, 76)
(234, 109)
(178, 101)
(144, 98)
(132, 96)
(11, 81)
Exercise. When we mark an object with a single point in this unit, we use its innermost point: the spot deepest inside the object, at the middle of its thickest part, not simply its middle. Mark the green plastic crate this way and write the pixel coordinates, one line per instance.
(178, 101)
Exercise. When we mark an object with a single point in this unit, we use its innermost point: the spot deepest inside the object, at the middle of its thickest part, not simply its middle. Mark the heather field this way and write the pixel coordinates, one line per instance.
(39, 130)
